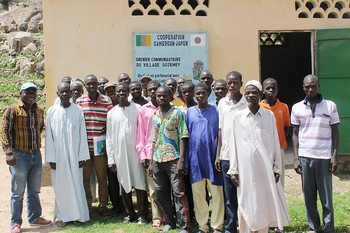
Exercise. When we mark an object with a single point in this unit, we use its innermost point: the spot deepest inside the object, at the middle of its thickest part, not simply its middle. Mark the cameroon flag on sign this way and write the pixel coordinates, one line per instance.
(143, 40)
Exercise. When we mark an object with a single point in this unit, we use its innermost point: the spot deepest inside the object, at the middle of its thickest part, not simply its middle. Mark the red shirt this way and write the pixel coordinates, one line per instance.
(95, 114)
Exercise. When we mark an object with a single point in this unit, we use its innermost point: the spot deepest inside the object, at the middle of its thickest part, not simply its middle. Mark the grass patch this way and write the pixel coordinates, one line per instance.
(296, 211)
(111, 225)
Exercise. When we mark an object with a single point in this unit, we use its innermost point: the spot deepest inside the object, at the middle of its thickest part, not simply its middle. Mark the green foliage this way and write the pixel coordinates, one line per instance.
(7, 62)
(9, 87)
(10, 80)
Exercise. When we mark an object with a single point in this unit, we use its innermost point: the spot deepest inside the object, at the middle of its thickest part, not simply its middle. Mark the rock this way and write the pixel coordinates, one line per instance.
(9, 25)
(25, 66)
(12, 53)
(33, 27)
(23, 27)
(40, 68)
(34, 21)
(39, 41)
(39, 56)
(41, 25)
(5, 49)
(37, 16)
(30, 48)
(32, 14)
(21, 14)
(19, 40)
(4, 6)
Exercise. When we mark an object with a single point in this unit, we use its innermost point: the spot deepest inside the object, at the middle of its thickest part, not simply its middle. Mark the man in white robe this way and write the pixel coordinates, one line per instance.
(255, 166)
(66, 149)
(122, 121)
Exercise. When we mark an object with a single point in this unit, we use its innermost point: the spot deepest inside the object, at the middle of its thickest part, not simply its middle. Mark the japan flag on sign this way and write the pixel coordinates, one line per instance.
(197, 40)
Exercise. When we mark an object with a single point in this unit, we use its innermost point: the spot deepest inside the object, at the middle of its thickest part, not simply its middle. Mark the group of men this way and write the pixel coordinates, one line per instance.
(207, 142)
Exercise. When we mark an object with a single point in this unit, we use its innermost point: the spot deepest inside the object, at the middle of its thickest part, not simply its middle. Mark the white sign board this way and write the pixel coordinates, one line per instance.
(170, 55)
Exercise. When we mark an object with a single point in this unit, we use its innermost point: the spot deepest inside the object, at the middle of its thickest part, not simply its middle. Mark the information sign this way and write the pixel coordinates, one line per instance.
(166, 55)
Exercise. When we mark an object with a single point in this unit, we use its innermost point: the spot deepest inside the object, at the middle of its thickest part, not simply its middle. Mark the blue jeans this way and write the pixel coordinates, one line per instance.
(25, 174)
(230, 195)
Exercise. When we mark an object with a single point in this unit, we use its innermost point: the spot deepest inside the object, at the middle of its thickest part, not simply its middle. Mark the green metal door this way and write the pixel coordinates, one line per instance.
(333, 70)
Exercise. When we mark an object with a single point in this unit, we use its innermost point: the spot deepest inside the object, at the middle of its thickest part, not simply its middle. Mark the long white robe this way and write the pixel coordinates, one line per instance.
(255, 156)
(66, 145)
(121, 146)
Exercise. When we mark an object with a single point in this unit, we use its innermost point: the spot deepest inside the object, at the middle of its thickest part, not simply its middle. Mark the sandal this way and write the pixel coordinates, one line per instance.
(60, 223)
(128, 219)
(156, 224)
(166, 228)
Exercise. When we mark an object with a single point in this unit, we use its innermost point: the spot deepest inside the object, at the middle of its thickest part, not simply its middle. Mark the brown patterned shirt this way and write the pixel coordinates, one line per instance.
(21, 128)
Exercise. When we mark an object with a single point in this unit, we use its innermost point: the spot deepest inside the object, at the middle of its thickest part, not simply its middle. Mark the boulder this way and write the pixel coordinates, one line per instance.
(23, 14)
(31, 48)
(19, 14)
(37, 16)
(34, 19)
(9, 25)
(25, 66)
(41, 25)
(33, 27)
(5, 49)
(19, 40)
(40, 68)
(23, 27)
(38, 41)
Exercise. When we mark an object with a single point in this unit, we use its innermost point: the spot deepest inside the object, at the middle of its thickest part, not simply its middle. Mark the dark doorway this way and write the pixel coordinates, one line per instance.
(287, 58)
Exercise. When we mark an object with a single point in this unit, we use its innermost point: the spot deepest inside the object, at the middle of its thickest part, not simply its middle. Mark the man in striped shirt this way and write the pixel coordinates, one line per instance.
(315, 144)
(95, 107)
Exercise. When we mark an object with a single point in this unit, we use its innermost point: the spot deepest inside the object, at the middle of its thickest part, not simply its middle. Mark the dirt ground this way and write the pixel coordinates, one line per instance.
(292, 187)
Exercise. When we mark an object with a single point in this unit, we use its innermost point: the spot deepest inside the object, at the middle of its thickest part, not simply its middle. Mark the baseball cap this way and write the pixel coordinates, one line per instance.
(109, 84)
(145, 77)
(77, 81)
(28, 85)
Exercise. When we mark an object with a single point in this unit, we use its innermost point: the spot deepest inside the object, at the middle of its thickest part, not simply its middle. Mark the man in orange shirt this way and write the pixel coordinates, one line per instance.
(281, 112)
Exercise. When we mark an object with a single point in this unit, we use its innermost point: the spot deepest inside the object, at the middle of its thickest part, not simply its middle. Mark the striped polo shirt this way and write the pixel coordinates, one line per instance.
(95, 114)
(315, 132)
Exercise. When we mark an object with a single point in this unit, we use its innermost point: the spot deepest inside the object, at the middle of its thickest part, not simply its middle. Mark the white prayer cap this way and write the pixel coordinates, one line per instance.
(255, 83)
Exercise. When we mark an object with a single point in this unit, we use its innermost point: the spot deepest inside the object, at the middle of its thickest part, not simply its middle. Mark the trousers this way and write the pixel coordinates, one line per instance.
(316, 177)
(167, 181)
(26, 173)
